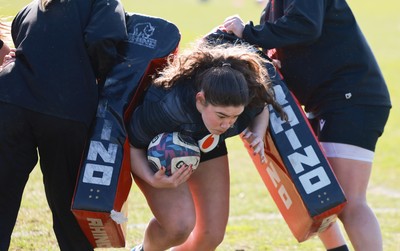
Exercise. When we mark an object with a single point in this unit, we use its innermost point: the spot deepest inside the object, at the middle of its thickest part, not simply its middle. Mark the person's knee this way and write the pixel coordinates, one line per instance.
(180, 231)
(211, 237)
(352, 209)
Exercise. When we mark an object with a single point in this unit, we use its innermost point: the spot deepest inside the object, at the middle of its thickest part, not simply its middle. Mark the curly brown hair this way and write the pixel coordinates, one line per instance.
(229, 75)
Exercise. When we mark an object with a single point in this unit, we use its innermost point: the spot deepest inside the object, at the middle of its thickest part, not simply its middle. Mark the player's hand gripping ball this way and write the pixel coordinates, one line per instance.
(172, 150)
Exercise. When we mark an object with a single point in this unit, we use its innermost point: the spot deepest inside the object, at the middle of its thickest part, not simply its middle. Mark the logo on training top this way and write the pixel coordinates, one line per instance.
(321, 124)
(141, 35)
(208, 143)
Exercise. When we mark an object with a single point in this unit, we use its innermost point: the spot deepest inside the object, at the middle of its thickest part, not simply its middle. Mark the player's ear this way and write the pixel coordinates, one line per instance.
(200, 98)
(200, 101)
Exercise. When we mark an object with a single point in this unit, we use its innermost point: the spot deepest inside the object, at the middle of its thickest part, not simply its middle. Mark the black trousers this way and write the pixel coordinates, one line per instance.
(24, 137)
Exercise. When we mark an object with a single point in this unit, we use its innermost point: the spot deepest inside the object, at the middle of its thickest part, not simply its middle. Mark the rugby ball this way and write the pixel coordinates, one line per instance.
(172, 150)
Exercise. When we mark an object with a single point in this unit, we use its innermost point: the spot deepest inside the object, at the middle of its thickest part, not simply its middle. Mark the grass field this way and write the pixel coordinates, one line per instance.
(255, 223)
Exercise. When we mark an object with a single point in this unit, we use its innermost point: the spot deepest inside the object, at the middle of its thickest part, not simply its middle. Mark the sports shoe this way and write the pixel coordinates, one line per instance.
(138, 248)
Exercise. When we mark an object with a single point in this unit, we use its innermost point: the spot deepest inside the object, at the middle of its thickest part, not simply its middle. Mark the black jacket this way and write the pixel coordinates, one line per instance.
(325, 58)
(60, 51)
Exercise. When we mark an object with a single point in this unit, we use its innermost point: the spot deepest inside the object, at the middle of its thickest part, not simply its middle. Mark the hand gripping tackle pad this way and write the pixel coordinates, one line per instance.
(297, 173)
(104, 180)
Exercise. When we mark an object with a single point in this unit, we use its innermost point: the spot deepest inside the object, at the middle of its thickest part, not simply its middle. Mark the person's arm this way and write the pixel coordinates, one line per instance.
(255, 132)
(4, 50)
(301, 23)
(105, 30)
(140, 168)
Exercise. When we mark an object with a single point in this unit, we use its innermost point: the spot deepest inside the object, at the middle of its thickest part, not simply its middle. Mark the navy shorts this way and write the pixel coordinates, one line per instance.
(357, 125)
(218, 151)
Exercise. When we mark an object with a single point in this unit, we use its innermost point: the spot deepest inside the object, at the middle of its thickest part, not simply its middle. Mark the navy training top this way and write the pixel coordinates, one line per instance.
(60, 52)
(326, 60)
(174, 110)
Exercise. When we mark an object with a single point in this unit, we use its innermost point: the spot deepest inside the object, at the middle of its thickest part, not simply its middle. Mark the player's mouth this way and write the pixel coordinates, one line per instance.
(218, 132)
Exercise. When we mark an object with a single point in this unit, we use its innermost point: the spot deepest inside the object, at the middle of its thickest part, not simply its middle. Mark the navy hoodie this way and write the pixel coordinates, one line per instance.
(60, 52)
(326, 61)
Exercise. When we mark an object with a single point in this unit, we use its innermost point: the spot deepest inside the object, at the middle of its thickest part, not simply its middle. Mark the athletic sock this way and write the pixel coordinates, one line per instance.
(341, 248)
(138, 248)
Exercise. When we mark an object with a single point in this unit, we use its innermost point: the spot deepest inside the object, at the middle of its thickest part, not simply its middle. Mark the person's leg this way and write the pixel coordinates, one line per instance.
(174, 216)
(332, 238)
(358, 219)
(349, 137)
(61, 145)
(18, 157)
(210, 188)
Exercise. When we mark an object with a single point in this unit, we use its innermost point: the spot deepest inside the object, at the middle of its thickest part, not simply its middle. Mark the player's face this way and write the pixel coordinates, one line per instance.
(218, 119)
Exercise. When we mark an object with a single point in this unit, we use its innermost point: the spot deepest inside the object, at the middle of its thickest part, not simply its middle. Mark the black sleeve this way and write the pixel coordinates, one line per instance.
(149, 120)
(105, 30)
(1, 43)
(16, 32)
(301, 22)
